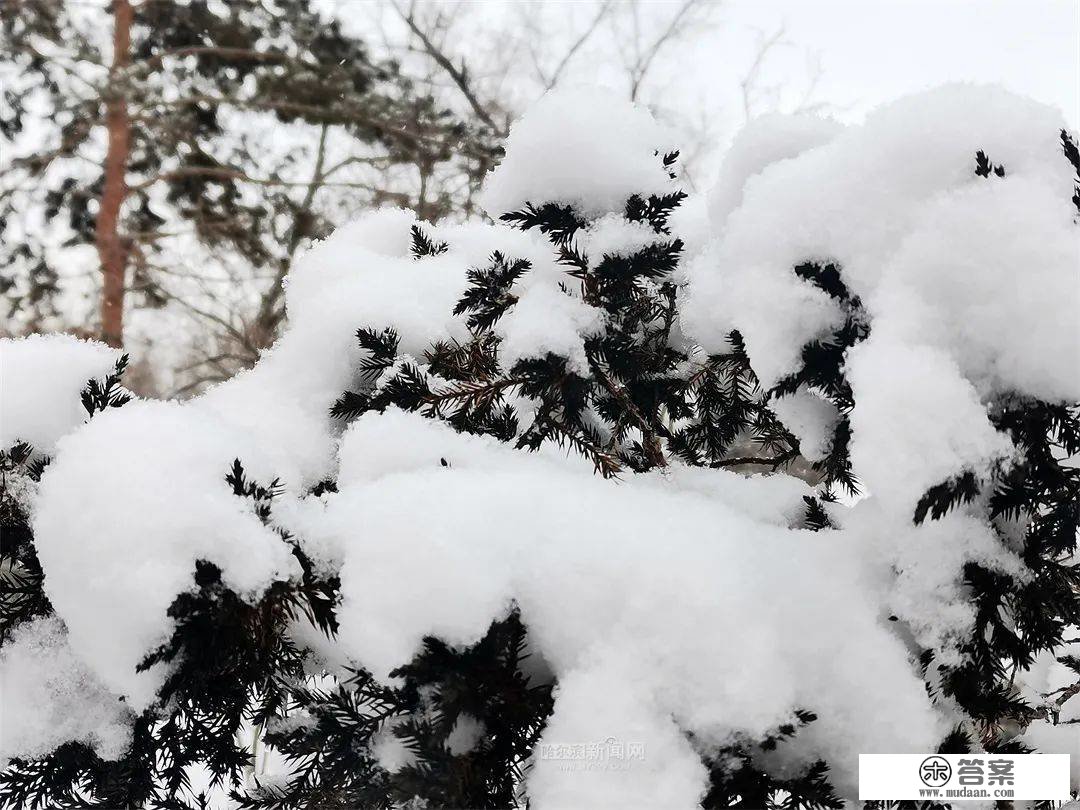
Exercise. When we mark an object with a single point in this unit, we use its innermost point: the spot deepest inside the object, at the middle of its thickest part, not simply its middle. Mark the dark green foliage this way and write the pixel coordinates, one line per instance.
(822, 369)
(333, 767)
(643, 397)
(723, 399)
(231, 663)
(956, 741)
(485, 683)
(21, 594)
(737, 779)
(100, 396)
(1037, 498)
(559, 222)
(423, 246)
(751, 788)
(656, 209)
(944, 497)
(983, 166)
(440, 687)
(1072, 154)
(489, 297)
(815, 517)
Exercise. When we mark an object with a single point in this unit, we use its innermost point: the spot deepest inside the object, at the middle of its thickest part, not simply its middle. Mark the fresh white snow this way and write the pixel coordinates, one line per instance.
(970, 286)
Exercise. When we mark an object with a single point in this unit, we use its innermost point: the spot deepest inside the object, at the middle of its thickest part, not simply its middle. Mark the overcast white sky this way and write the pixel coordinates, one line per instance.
(876, 50)
(869, 51)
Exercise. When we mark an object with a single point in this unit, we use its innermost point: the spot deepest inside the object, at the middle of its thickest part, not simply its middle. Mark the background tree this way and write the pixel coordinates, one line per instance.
(151, 144)
(531, 48)
(163, 161)
(518, 52)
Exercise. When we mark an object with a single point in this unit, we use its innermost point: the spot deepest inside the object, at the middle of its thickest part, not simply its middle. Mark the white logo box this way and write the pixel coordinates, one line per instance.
(964, 777)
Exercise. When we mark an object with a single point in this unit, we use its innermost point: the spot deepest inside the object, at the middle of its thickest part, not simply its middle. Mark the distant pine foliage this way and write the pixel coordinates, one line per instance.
(645, 401)
(190, 169)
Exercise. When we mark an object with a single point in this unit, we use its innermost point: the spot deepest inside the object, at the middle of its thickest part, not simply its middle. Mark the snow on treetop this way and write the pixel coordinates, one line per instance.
(41, 377)
(763, 141)
(436, 532)
(616, 617)
(50, 697)
(963, 279)
(583, 147)
(896, 204)
(145, 485)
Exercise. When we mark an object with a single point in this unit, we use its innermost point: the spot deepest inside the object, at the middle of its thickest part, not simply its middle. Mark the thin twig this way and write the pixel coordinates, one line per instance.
(458, 75)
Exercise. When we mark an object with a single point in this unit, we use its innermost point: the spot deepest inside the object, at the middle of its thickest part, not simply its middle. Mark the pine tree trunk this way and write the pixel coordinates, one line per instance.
(111, 248)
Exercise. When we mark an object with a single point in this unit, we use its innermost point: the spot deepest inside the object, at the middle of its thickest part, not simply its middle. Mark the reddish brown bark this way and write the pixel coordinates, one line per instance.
(111, 247)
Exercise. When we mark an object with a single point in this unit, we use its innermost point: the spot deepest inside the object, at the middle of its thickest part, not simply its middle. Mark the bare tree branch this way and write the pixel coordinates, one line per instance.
(238, 175)
(459, 76)
(270, 313)
(644, 61)
(748, 85)
(601, 14)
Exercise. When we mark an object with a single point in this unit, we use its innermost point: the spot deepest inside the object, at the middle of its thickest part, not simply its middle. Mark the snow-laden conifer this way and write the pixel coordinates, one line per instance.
(717, 495)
